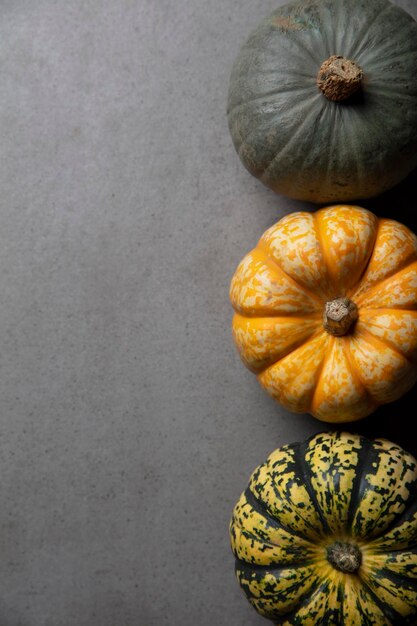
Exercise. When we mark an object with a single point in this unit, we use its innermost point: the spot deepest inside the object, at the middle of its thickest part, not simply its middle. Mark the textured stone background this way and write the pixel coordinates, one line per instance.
(128, 425)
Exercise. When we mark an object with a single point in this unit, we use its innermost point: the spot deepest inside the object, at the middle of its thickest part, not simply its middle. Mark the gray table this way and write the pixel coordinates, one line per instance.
(128, 425)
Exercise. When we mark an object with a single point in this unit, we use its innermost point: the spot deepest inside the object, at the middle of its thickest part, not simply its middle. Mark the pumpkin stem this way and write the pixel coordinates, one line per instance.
(339, 315)
(344, 557)
(339, 78)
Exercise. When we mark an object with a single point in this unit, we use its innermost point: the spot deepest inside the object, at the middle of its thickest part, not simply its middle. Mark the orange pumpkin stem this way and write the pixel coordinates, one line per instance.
(339, 316)
(339, 78)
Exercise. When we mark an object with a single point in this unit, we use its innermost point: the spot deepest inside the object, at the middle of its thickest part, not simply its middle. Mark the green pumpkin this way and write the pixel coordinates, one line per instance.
(326, 534)
(322, 130)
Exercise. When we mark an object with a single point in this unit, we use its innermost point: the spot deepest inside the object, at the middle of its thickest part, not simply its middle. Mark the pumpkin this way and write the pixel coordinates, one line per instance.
(326, 534)
(326, 312)
(322, 100)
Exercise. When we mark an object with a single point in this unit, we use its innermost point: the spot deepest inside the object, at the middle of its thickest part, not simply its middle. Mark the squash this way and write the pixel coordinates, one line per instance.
(322, 99)
(326, 534)
(326, 312)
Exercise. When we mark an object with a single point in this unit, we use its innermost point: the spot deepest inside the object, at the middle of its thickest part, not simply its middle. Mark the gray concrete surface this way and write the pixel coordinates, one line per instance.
(128, 426)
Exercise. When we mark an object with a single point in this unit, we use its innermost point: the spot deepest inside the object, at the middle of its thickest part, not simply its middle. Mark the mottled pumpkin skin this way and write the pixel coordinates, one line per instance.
(279, 292)
(296, 141)
(306, 496)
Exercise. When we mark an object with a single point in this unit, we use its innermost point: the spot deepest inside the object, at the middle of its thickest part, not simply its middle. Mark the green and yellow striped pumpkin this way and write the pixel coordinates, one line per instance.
(326, 534)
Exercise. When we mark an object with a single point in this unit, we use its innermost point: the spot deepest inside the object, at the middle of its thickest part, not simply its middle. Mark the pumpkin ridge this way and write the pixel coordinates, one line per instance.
(285, 620)
(319, 371)
(389, 92)
(399, 580)
(260, 507)
(394, 618)
(372, 292)
(274, 92)
(351, 292)
(237, 524)
(295, 135)
(298, 36)
(309, 578)
(371, 338)
(323, 249)
(380, 282)
(356, 374)
(314, 316)
(272, 567)
(361, 36)
(305, 471)
(282, 619)
(406, 516)
(274, 265)
(385, 51)
(390, 495)
(379, 63)
(314, 334)
(316, 374)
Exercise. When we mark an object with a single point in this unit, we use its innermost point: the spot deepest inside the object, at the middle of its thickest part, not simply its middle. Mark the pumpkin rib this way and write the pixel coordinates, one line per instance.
(361, 402)
(363, 36)
(386, 50)
(294, 246)
(293, 301)
(383, 592)
(363, 455)
(272, 567)
(352, 290)
(356, 374)
(314, 527)
(390, 92)
(388, 503)
(260, 507)
(258, 361)
(288, 147)
(397, 579)
(402, 563)
(366, 299)
(398, 267)
(319, 372)
(305, 471)
(328, 354)
(275, 92)
(323, 248)
(332, 255)
(275, 613)
(286, 620)
(406, 516)
(272, 263)
(378, 284)
(331, 129)
(394, 618)
(312, 53)
(394, 347)
(249, 534)
(277, 392)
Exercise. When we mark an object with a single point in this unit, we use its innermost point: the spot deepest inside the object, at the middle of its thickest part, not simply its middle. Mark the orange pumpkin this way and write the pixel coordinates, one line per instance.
(326, 312)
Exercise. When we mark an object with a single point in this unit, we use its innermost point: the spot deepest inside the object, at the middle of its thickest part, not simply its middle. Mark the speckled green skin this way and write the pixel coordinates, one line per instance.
(335, 489)
(296, 141)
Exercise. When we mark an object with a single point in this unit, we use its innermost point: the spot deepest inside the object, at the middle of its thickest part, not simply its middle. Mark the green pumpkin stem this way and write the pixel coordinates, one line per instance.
(339, 78)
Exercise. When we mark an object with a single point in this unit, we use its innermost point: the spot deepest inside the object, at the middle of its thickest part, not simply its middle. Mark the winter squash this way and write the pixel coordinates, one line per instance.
(326, 534)
(326, 312)
(323, 99)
